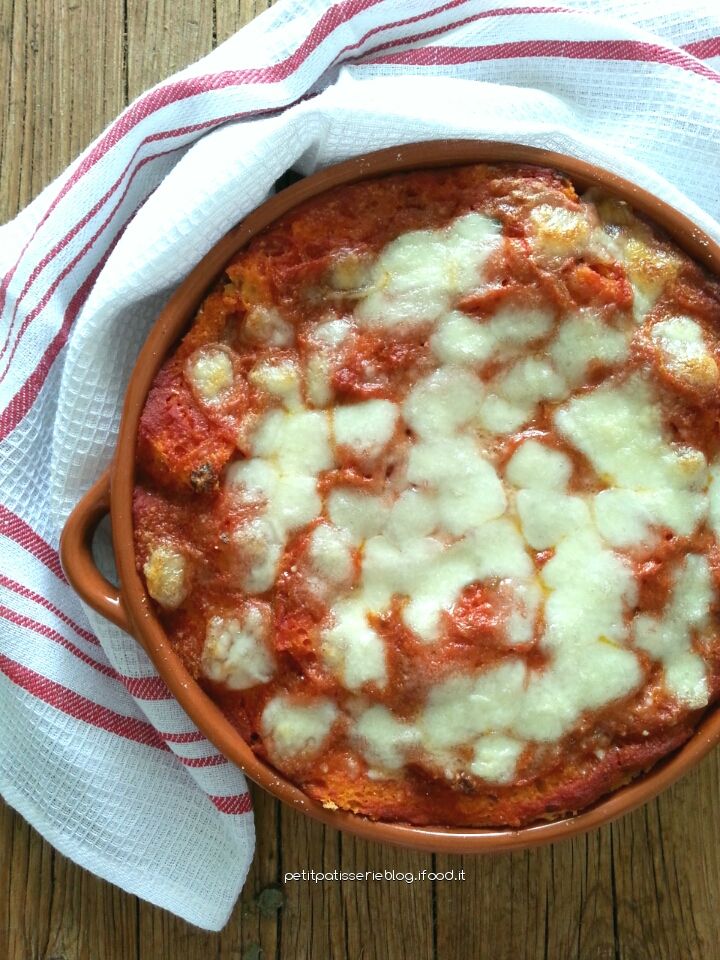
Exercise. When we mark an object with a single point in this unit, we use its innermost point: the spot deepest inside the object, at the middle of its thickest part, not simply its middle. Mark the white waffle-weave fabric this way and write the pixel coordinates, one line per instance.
(93, 752)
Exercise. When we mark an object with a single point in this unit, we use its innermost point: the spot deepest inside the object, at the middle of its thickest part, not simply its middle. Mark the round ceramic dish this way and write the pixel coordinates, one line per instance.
(130, 608)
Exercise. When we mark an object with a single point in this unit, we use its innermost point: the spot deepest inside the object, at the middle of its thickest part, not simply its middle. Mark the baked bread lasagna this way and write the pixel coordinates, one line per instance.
(428, 497)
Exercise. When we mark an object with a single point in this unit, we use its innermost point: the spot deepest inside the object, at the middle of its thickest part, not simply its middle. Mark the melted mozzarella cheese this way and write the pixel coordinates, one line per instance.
(590, 590)
(209, 371)
(585, 337)
(682, 346)
(332, 333)
(258, 545)
(547, 519)
(461, 339)
(513, 396)
(521, 623)
(619, 429)
(443, 402)
(650, 268)
(536, 466)
(649, 263)
(414, 514)
(361, 515)
(290, 448)
(326, 339)
(416, 277)
(384, 740)
(352, 649)
(559, 231)
(448, 520)
(495, 758)
(299, 443)
(266, 325)
(464, 485)
(463, 708)
(669, 638)
(236, 650)
(367, 427)
(167, 576)
(297, 727)
(331, 553)
(281, 380)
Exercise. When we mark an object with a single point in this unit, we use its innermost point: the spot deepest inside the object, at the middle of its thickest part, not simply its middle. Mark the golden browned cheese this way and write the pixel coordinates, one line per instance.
(426, 496)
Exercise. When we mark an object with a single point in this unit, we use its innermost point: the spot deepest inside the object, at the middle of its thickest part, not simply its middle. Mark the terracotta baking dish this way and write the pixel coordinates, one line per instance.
(129, 607)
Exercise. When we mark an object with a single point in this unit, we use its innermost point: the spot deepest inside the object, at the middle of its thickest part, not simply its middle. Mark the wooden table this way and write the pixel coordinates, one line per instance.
(646, 888)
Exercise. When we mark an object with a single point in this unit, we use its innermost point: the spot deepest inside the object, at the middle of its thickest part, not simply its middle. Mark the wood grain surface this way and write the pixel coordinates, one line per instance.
(645, 888)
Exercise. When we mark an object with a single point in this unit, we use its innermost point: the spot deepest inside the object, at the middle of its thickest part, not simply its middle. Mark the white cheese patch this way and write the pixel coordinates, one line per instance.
(443, 402)
(258, 545)
(414, 514)
(360, 514)
(366, 427)
(209, 370)
(290, 448)
(299, 442)
(281, 380)
(461, 339)
(389, 568)
(559, 231)
(332, 333)
(236, 649)
(534, 465)
(266, 325)
(669, 638)
(620, 431)
(352, 649)
(548, 517)
(255, 480)
(325, 341)
(623, 517)
(383, 739)
(295, 503)
(498, 550)
(590, 589)
(714, 498)
(585, 337)
(459, 711)
(331, 553)
(513, 396)
(462, 708)
(521, 623)
(467, 490)
(416, 277)
(629, 517)
(318, 380)
(297, 727)
(685, 353)
(496, 757)
(167, 576)
(431, 575)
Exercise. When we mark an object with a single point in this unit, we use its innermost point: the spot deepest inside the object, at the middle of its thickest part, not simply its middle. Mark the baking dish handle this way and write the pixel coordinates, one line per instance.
(77, 559)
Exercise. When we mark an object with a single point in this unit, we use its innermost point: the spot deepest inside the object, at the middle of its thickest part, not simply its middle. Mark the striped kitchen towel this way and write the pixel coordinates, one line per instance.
(93, 751)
